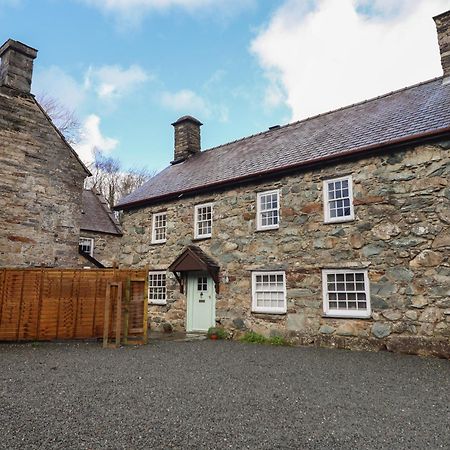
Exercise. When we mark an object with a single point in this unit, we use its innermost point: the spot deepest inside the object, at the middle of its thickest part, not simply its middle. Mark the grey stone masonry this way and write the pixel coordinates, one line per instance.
(17, 65)
(400, 234)
(443, 29)
(41, 177)
(187, 138)
(106, 248)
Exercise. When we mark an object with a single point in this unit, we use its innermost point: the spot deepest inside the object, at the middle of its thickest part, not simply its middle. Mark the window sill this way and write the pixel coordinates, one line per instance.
(270, 315)
(157, 304)
(158, 242)
(337, 316)
(201, 238)
(343, 220)
(260, 230)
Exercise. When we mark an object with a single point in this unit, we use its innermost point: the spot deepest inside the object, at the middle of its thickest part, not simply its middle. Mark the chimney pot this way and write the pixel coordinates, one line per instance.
(187, 138)
(16, 68)
(443, 30)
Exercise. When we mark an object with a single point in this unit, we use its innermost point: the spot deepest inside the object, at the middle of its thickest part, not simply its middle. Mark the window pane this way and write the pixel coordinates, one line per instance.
(157, 287)
(268, 209)
(204, 220)
(269, 291)
(339, 203)
(348, 292)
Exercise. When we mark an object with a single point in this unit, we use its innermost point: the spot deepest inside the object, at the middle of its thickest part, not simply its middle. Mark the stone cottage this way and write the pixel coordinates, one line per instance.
(334, 230)
(41, 176)
(100, 232)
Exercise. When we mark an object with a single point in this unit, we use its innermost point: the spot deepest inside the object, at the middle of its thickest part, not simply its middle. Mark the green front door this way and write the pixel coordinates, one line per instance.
(201, 302)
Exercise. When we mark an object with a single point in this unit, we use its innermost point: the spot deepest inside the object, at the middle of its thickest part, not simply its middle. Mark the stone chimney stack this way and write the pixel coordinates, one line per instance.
(187, 138)
(16, 68)
(443, 29)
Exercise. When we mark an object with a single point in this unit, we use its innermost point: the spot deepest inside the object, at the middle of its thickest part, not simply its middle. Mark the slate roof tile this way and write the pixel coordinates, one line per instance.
(402, 114)
(97, 216)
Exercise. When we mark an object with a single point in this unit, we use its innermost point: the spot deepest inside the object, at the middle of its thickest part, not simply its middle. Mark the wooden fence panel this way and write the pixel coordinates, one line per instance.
(66, 308)
(9, 322)
(86, 305)
(47, 304)
(136, 312)
(31, 286)
(48, 316)
(102, 282)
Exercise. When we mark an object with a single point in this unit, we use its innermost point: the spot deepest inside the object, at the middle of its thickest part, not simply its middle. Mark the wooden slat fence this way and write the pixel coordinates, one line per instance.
(58, 304)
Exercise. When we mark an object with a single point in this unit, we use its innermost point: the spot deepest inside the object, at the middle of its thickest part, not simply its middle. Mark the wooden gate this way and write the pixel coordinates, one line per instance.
(58, 304)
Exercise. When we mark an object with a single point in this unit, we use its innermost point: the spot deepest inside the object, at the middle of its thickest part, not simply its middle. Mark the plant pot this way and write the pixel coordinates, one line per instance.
(213, 337)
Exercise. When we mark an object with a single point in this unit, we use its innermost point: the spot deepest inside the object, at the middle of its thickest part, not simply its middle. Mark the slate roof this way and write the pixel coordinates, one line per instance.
(97, 216)
(407, 114)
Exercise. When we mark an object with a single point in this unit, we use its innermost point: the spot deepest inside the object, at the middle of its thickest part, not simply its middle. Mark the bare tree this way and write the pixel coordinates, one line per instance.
(64, 119)
(112, 180)
(108, 174)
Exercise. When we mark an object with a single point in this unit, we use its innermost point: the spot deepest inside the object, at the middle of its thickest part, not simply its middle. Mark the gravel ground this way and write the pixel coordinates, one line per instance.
(206, 394)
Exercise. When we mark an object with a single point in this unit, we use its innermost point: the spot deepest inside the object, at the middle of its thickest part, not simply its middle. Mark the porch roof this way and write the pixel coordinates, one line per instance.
(193, 259)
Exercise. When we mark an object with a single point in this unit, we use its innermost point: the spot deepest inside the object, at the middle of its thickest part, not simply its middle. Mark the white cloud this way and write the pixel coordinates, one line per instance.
(56, 83)
(329, 53)
(108, 82)
(92, 139)
(185, 101)
(111, 82)
(132, 11)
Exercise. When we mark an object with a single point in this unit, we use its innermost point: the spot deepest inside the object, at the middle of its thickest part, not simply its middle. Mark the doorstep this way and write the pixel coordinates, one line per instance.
(176, 336)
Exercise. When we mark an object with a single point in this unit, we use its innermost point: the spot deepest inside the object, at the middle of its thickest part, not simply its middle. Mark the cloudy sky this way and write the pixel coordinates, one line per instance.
(129, 68)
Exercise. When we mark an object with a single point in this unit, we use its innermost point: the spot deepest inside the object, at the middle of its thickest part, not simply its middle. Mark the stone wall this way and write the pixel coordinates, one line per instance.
(401, 233)
(106, 248)
(40, 188)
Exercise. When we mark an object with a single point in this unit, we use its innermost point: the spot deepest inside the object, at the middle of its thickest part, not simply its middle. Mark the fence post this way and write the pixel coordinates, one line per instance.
(126, 316)
(39, 308)
(118, 313)
(3, 284)
(145, 324)
(106, 315)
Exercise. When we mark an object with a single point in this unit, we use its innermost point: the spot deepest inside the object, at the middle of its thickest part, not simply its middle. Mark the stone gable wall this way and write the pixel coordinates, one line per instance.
(106, 248)
(40, 189)
(401, 232)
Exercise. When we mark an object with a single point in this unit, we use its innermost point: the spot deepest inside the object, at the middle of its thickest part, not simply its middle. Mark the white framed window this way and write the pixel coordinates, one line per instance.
(268, 210)
(269, 292)
(87, 245)
(159, 228)
(157, 291)
(203, 220)
(346, 293)
(338, 199)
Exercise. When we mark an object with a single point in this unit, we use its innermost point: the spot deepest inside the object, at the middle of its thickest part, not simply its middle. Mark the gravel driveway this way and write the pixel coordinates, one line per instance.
(206, 394)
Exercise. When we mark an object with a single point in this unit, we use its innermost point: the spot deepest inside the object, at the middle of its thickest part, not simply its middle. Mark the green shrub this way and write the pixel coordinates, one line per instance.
(221, 333)
(256, 338)
(278, 340)
(253, 338)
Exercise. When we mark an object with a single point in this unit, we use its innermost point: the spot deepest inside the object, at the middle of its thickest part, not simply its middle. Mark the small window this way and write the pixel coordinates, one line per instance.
(269, 292)
(338, 200)
(157, 293)
(87, 245)
(159, 227)
(202, 284)
(268, 207)
(346, 293)
(203, 220)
